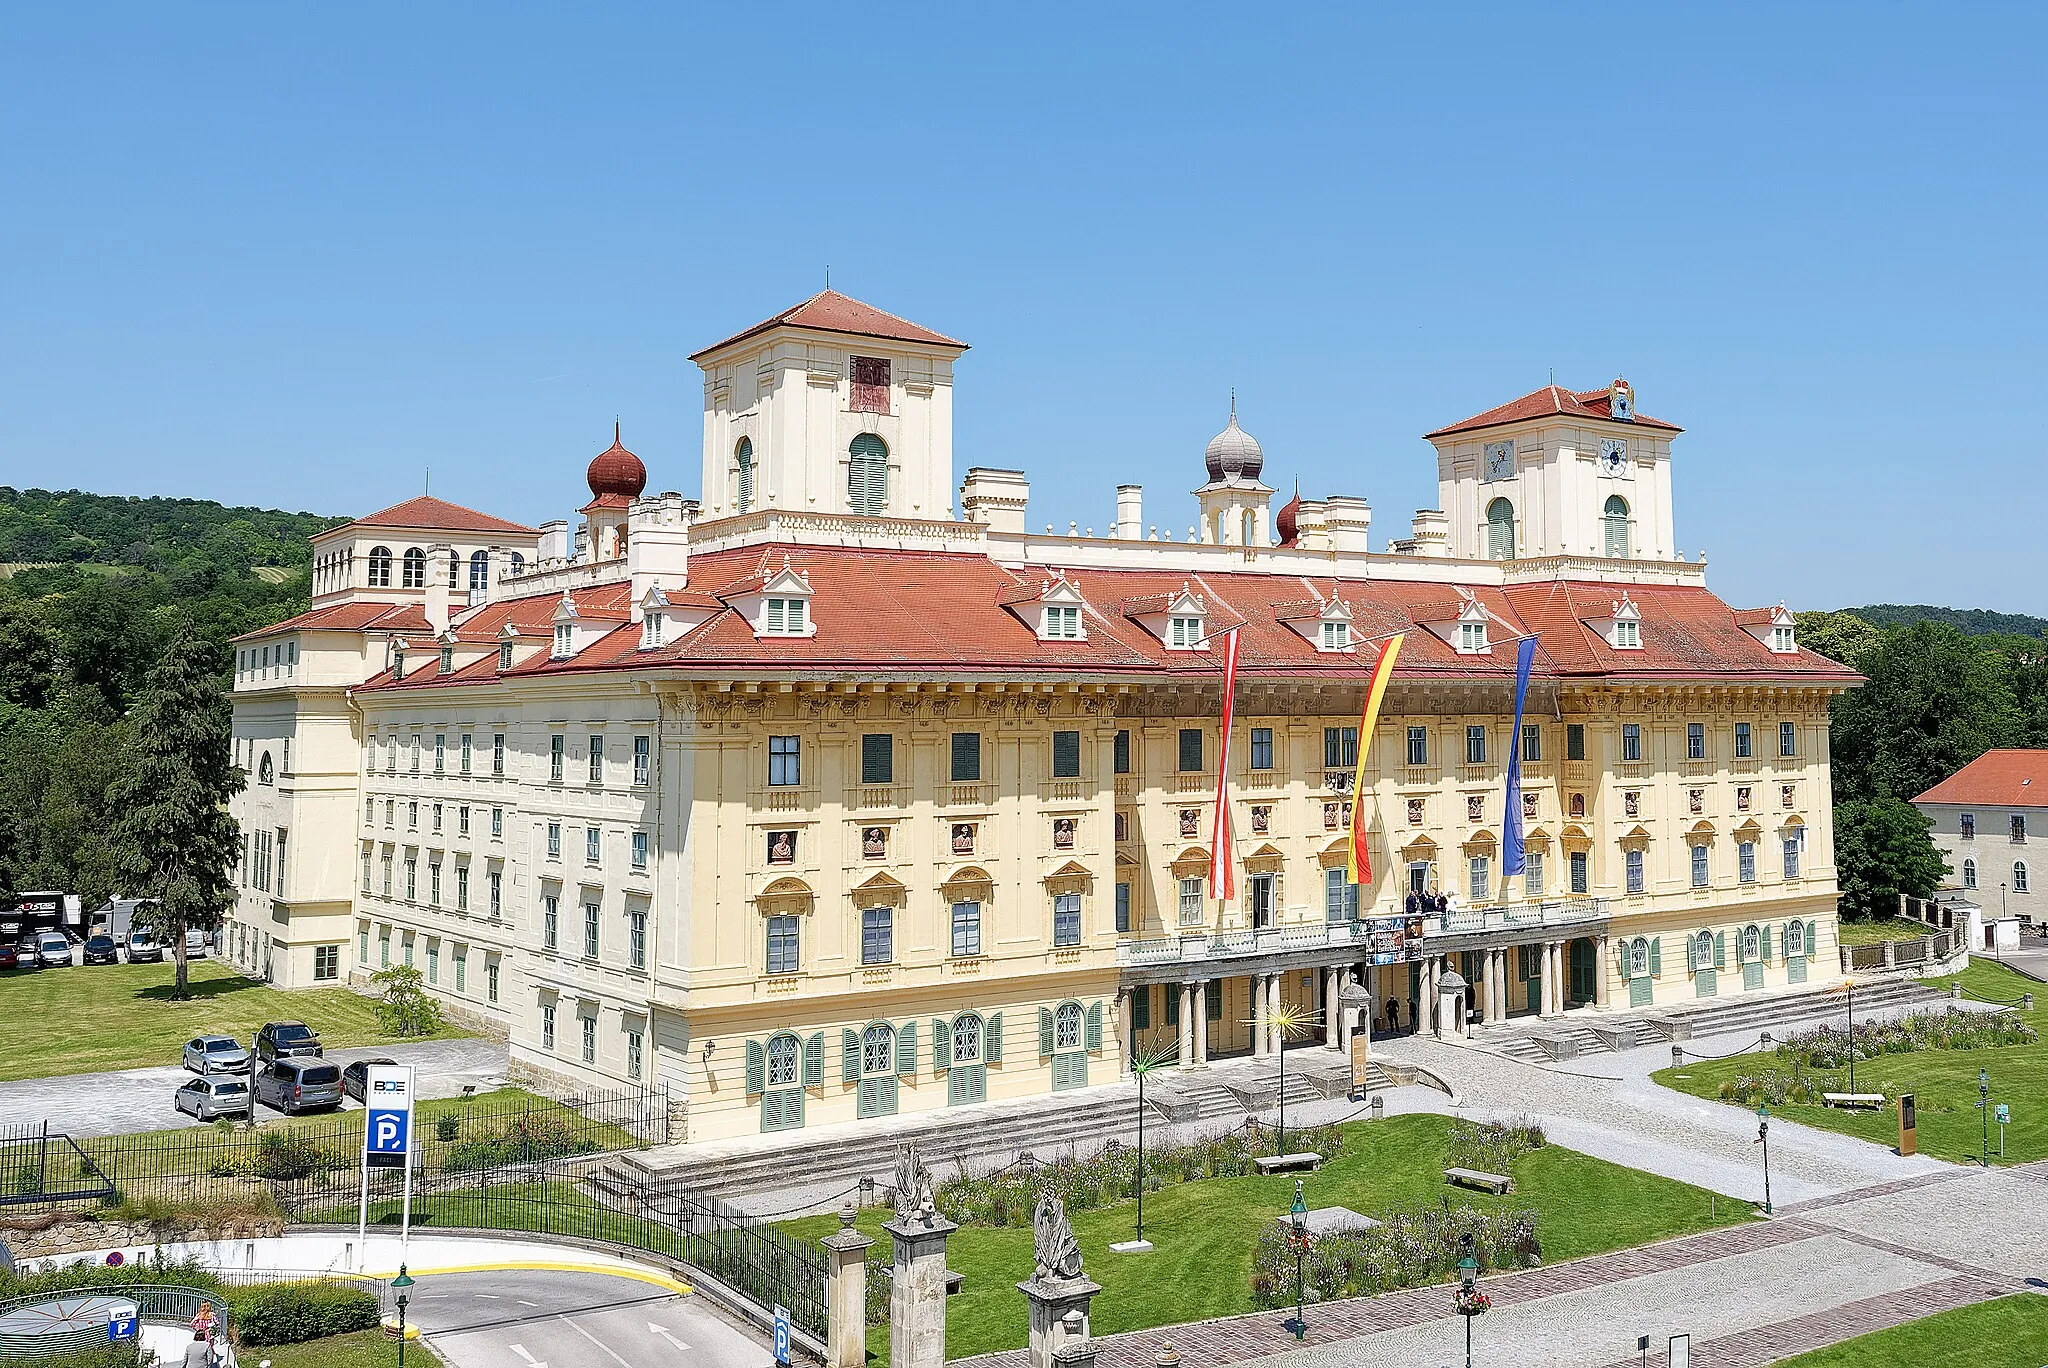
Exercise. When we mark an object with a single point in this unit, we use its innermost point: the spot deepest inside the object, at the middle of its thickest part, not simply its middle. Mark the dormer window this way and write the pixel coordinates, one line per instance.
(1781, 641)
(654, 629)
(504, 655)
(565, 640)
(447, 660)
(784, 617)
(1062, 623)
(1336, 636)
(1628, 635)
(1184, 633)
(1775, 627)
(1472, 638)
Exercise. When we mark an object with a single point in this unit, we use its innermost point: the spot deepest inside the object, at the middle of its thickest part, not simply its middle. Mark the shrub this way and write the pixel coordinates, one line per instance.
(1492, 1147)
(68, 1277)
(406, 1008)
(1409, 1249)
(529, 1139)
(1771, 1086)
(447, 1127)
(291, 1313)
(283, 1155)
(127, 1354)
(1947, 1029)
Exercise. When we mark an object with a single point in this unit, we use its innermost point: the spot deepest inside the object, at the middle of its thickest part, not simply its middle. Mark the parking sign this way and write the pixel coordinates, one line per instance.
(387, 1119)
(782, 1336)
(124, 1321)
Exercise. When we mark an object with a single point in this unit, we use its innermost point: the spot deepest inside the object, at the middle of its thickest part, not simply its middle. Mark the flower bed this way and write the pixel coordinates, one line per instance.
(1491, 1147)
(1949, 1029)
(1407, 1249)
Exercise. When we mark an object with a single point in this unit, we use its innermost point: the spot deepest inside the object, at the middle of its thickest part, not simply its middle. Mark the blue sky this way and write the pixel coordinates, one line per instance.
(294, 255)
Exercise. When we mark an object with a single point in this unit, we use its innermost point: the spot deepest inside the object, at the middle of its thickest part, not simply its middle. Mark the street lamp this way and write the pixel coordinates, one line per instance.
(1143, 1063)
(1763, 1137)
(1471, 1301)
(1297, 1220)
(1849, 987)
(1984, 1106)
(402, 1285)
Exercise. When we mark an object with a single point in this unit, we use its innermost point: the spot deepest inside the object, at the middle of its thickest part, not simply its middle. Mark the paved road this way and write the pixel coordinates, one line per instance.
(140, 1099)
(549, 1319)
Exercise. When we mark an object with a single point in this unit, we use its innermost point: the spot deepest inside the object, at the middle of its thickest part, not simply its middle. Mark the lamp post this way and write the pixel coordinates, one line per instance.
(1297, 1220)
(1470, 1301)
(1984, 1106)
(402, 1285)
(1849, 987)
(1763, 1137)
(1143, 1062)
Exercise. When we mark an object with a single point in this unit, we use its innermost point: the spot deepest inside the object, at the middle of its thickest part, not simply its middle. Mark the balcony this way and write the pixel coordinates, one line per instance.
(969, 795)
(785, 798)
(1228, 945)
(1066, 791)
(1699, 767)
(876, 796)
(1192, 781)
(1578, 771)
(1536, 916)
(1126, 787)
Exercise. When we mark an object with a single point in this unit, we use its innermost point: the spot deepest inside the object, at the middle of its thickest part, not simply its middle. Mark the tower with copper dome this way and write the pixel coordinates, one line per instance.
(616, 477)
(1236, 504)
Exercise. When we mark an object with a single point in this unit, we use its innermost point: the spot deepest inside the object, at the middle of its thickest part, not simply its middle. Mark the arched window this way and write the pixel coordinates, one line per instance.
(782, 1061)
(1638, 957)
(2019, 876)
(1500, 530)
(518, 566)
(867, 475)
(263, 770)
(966, 1039)
(1703, 950)
(744, 454)
(1615, 515)
(1066, 1027)
(1969, 873)
(380, 567)
(878, 1050)
(479, 569)
(454, 569)
(1752, 944)
(415, 568)
(1795, 938)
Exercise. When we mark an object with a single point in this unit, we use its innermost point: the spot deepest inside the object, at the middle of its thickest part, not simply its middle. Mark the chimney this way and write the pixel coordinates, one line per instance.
(1349, 518)
(1312, 526)
(1130, 512)
(1432, 532)
(995, 498)
(437, 586)
(554, 541)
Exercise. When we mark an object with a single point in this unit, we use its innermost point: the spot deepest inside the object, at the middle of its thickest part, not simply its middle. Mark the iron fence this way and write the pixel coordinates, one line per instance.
(41, 1165)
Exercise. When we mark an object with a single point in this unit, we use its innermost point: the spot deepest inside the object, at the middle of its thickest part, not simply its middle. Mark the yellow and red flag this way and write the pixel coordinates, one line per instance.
(1359, 863)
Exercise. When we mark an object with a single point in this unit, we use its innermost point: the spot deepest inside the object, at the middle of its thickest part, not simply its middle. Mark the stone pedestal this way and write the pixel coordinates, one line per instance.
(1059, 1321)
(846, 1294)
(917, 1293)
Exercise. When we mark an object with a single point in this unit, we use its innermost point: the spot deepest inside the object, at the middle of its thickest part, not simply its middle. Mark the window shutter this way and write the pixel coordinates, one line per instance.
(757, 1066)
(1656, 956)
(1720, 949)
(906, 1049)
(942, 1045)
(1141, 1007)
(1044, 1030)
(849, 1056)
(992, 1039)
(1767, 944)
(1812, 937)
(814, 1061)
(1091, 1031)
(1621, 959)
(1692, 957)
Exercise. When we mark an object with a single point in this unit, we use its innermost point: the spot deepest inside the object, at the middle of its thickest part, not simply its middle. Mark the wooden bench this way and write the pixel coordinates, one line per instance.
(1484, 1182)
(1869, 1101)
(1287, 1163)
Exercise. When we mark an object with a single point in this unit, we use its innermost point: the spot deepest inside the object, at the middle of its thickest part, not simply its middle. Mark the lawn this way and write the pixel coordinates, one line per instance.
(121, 1016)
(1943, 1082)
(1879, 931)
(2011, 1332)
(363, 1349)
(1203, 1232)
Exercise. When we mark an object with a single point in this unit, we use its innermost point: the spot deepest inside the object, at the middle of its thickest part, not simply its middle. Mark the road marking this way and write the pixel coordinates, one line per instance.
(532, 1362)
(594, 1340)
(524, 1302)
(487, 1296)
(662, 1331)
(681, 1289)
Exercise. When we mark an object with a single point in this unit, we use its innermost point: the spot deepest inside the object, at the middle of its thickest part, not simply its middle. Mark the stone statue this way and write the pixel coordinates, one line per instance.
(1055, 1250)
(913, 1188)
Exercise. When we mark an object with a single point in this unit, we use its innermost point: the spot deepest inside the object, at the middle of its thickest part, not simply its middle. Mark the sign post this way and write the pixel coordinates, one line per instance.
(782, 1336)
(387, 1140)
(2004, 1117)
(124, 1322)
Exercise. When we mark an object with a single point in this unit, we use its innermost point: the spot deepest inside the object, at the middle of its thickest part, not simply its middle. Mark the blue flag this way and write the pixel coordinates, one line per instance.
(1511, 858)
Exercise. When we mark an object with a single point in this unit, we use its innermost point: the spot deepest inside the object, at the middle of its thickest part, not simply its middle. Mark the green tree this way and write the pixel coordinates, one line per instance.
(1882, 850)
(1936, 700)
(28, 655)
(175, 841)
(406, 1010)
(1838, 636)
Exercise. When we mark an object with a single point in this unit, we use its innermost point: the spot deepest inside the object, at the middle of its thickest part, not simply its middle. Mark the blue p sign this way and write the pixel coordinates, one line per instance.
(123, 1322)
(386, 1132)
(782, 1335)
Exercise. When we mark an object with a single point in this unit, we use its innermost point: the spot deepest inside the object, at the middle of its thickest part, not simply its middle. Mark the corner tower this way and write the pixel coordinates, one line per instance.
(1558, 472)
(832, 406)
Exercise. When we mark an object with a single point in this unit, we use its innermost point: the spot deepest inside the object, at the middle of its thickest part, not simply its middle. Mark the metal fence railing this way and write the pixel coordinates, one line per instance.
(38, 1164)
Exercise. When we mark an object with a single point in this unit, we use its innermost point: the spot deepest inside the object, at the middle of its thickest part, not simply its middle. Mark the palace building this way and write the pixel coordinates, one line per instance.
(836, 792)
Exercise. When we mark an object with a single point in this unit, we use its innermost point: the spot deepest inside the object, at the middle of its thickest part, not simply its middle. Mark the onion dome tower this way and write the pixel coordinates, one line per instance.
(1236, 506)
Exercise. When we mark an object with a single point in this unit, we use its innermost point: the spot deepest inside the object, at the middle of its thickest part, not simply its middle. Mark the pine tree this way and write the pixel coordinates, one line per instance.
(175, 842)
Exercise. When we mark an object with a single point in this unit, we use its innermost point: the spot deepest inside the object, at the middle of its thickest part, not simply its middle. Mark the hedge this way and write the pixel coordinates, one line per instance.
(291, 1313)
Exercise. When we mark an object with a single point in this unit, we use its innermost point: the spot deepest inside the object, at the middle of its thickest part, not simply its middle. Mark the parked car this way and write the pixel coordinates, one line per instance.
(27, 954)
(144, 947)
(195, 945)
(101, 950)
(286, 1040)
(355, 1079)
(53, 950)
(211, 1098)
(298, 1085)
(216, 1054)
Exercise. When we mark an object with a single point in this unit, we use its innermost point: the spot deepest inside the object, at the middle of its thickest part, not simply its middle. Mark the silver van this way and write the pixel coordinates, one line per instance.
(300, 1084)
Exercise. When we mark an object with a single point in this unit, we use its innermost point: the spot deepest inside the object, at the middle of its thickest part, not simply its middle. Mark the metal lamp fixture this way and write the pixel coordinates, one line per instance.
(1763, 1137)
(1297, 1220)
(402, 1285)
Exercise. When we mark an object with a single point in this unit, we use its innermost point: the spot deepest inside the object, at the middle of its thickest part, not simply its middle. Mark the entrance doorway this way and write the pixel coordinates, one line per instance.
(1584, 965)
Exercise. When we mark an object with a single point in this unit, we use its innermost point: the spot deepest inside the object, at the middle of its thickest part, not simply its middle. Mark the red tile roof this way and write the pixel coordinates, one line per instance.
(1551, 400)
(1996, 779)
(351, 617)
(428, 513)
(831, 311)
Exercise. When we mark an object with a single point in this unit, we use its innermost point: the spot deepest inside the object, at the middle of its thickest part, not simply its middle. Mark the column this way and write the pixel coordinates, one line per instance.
(1125, 1043)
(1257, 984)
(1559, 985)
(1187, 1024)
(1201, 997)
(1333, 1011)
(846, 1294)
(1492, 992)
(1602, 962)
(917, 1291)
(1500, 983)
(1549, 968)
(1425, 998)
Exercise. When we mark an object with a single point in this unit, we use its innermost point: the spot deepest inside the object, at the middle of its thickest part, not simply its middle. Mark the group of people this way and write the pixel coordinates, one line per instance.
(1423, 903)
(205, 1350)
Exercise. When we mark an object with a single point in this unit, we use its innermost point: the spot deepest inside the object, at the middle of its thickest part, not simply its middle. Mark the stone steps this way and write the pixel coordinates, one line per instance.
(1717, 1017)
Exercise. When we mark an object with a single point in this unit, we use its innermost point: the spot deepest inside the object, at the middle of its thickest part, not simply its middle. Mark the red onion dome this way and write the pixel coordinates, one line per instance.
(1285, 521)
(616, 470)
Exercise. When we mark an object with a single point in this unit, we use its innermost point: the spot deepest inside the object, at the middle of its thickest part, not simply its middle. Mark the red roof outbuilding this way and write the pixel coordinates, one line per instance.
(1996, 779)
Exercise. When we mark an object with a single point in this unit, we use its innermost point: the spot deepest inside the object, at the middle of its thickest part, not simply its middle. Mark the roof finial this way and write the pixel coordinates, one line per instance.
(828, 275)
(616, 441)
(1233, 403)
(430, 481)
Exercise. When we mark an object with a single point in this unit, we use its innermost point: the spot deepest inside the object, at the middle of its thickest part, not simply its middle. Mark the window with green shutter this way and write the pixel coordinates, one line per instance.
(1191, 750)
(757, 1066)
(1092, 1032)
(992, 1039)
(966, 1084)
(966, 757)
(1141, 1007)
(878, 758)
(867, 475)
(1045, 1030)
(942, 1044)
(906, 1049)
(849, 1056)
(1122, 752)
(1066, 755)
(1212, 1000)
(1171, 991)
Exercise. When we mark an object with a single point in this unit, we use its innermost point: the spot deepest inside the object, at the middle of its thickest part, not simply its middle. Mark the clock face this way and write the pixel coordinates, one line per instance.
(1613, 456)
(1500, 460)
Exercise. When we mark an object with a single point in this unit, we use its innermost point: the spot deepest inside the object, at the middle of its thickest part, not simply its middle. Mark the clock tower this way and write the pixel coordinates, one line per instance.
(1558, 472)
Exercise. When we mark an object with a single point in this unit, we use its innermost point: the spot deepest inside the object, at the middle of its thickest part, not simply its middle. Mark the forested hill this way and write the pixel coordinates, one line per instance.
(1975, 621)
(71, 527)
